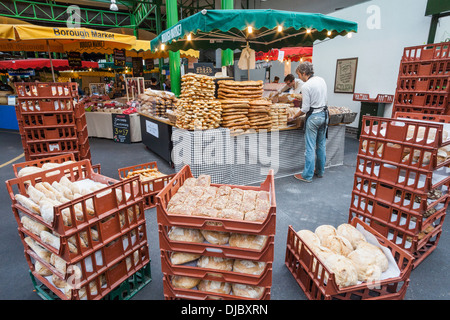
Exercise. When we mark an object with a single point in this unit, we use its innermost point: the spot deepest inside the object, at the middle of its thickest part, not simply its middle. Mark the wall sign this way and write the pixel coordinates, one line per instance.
(206, 68)
(119, 57)
(345, 75)
(152, 128)
(121, 128)
(74, 59)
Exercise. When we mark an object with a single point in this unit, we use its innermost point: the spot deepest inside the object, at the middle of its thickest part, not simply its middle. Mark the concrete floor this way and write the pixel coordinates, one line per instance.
(304, 206)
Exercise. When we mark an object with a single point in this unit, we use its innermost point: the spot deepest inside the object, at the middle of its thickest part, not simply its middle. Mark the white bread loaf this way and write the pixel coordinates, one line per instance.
(351, 234)
(344, 271)
(183, 257)
(216, 237)
(215, 286)
(185, 234)
(183, 282)
(324, 231)
(248, 241)
(337, 244)
(249, 266)
(247, 291)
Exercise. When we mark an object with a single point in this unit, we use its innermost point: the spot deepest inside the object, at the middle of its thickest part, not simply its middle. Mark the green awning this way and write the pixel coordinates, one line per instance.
(228, 29)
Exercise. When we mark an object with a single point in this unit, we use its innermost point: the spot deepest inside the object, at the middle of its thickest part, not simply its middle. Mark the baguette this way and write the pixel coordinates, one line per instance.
(28, 203)
(35, 194)
(40, 251)
(33, 226)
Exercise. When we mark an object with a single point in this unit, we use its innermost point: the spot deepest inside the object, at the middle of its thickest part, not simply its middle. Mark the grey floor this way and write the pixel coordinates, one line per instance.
(304, 206)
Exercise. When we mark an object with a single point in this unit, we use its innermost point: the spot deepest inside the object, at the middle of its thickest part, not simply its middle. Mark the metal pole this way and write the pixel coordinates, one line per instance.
(227, 54)
(174, 57)
(51, 62)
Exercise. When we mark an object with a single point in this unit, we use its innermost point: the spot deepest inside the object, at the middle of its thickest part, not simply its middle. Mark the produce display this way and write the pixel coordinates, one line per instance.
(156, 103)
(247, 90)
(197, 108)
(346, 253)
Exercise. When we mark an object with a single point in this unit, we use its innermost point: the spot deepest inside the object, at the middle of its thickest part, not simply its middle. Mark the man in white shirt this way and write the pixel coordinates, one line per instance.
(294, 85)
(314, 105)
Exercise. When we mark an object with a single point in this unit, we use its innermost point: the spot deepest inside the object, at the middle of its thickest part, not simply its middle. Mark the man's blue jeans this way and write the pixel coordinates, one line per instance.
(315, 143)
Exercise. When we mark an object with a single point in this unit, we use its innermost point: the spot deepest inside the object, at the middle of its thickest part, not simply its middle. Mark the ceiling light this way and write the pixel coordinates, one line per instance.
(162, 47)
(250, 29)
(113, 6)
(308, 30)
(329, 33)
(350, 34)
(280, 28)
(189, 37)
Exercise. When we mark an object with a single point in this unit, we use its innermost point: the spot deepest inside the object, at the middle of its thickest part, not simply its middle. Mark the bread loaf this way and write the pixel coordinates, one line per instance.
(218, 263)
(249, 266)
(248, 241)
(324, 231)
(338, 244)
(183, 257)
(344, 271)
(183, 282)
(27, 203)
(365, 263)
(185, 234)
(216, 237)
(308, 237)
(40, 251)
(41, 269)
(351, 234)
(214, 286)
(247, 291)
(33, 226)
(28, 170)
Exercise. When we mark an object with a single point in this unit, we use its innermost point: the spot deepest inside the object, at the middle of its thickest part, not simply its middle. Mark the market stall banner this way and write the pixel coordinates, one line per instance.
(229, 29)
(58, 64)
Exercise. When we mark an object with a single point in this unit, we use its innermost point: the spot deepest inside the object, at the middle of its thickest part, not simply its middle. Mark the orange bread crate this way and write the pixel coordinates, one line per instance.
(45, 134)
(49, 147)
(38, 105)
(173, 293)
(38, 163)
(423, 117)
(150, 187)
(47, 89)
(436, 51)
(419, 246)
(311, 273)
(192, 270)
(95, 206)
(98, 285)
(436, 84)
(266, 227)
(266, 254)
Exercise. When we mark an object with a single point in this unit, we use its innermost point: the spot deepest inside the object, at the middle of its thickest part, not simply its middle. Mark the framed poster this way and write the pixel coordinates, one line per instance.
(345, 78)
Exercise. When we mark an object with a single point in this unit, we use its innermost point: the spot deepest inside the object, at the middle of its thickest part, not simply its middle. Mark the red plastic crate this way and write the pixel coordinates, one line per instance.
(111, 199)
(47, 89)
(38, 105)
(424, 100)
(310, 272)
(395, 214)
(37, 134)
(266, 227)
(48, 147)
(436, 51)
(418, 248)
(423, 110)
(38, 163)
(424, 84)
(266, 254)
(423, 117)
(263, 280)
(150, 187)
(99, 284)
(415, 69)
(172, 293)
(47, 120)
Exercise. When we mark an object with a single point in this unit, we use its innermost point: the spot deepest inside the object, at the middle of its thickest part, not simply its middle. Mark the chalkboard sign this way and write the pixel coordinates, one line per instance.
(206, 68)
(119, 57)
(74, 59)
(121, 128)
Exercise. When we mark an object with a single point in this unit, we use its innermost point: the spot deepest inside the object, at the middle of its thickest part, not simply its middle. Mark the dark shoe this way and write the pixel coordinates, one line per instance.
(315, 173)
(299, 177)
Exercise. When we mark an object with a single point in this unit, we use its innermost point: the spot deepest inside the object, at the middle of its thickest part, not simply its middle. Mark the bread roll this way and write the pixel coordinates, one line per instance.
(223, 191)
(47, 211)
(365, 264)
(27, 203)
(40, 251)
(248, 241)
(215, 286)
(224, 264)
(338, 244)
(380, 258)
(41, 269)
(216, 237)
(203, 180)
(205, 212)
(247, 291)
(183, 257)
(178, 198)
(33, 226)
(185, 234)
(190, 182)
(183, 282)
(324, 231)
(308, 237)
(228, 213)
(59, 283)
(248, 201)
(255, 215)
(182, 209)
(28, 170)
(48, 194)
(344, 271)
(249, 266)
(351, 234)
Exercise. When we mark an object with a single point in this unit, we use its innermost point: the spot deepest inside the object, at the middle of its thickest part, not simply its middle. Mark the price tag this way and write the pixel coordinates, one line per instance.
(152, 128)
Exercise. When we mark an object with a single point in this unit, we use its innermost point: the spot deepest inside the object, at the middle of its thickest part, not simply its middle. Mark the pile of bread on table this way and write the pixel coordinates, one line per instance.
(156, 102)
(346, 253)
(197, 108)
(196, 197)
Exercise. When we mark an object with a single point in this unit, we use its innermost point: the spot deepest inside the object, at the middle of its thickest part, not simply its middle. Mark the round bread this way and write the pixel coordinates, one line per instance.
(247, 291)
(324, 231)
(338, 244)
(365, 263)
(343, 269)
(308, 237)
(216, 237)
(351, 234)
(185, 234)
(183, 282)
(59, 283)
(214, 286)
(183, 257)
(247, 241)
(218, 263)
(380, 258)
(249, 267)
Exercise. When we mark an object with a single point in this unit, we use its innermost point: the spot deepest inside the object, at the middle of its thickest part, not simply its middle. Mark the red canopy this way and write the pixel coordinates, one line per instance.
(290, 53)
(58, 64)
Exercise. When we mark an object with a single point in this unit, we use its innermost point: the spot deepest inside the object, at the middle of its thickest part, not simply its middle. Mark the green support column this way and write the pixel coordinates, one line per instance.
(158, 31)
(227, 54)
(174, 57)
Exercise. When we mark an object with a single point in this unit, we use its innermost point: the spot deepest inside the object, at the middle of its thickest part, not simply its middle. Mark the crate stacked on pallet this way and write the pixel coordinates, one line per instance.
(423, 80)
(216, 251)
(152, 180)
(83, 233)
(401, 181)
(51, 121)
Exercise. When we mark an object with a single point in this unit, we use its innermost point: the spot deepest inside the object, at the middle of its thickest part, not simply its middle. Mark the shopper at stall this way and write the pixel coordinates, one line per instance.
(154, 84)
(167, 85)
(120, 85)
(314, 105)
(276, 79)
(292, 84)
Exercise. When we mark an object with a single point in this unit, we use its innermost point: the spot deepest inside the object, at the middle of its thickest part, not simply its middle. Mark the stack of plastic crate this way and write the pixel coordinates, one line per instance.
(256, 285)
(94, 242)
(51, 122)
(401, 182)
(423, 81)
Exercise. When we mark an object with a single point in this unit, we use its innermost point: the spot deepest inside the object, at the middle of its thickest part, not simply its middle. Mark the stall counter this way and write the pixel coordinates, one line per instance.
(99, 125)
